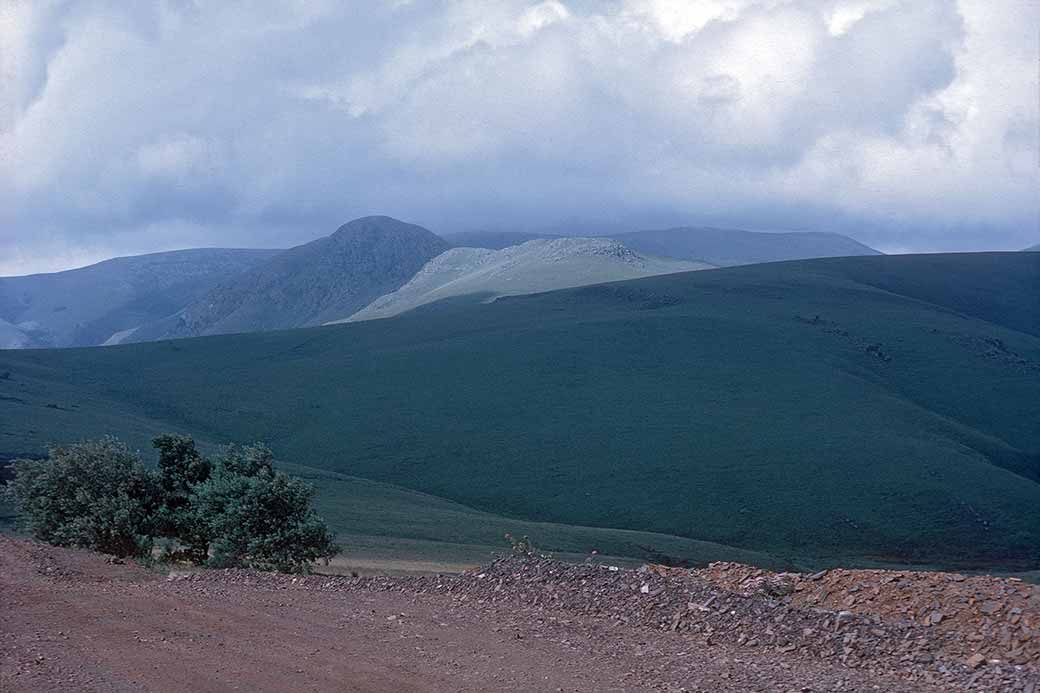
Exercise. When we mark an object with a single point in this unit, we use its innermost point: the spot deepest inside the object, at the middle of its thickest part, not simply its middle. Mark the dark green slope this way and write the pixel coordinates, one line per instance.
(998, 289)
(846, 409)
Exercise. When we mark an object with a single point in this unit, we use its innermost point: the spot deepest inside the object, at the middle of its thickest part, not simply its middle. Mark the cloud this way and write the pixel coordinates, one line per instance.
(909, 123)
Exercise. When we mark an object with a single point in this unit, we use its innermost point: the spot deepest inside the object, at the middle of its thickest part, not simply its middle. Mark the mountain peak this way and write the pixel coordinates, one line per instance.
(328, 278)
(378, 222)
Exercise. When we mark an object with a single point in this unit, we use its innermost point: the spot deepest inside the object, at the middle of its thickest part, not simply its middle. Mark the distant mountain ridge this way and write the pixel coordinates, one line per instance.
(731, 247)
(535, 266)
(715, 246)
(86, 306)
(1032, 248)
(327, 279)
(216, 291)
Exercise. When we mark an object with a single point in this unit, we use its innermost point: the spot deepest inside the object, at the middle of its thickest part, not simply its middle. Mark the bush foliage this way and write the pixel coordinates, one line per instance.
(258, 517)
(95, 495)
(235, 511)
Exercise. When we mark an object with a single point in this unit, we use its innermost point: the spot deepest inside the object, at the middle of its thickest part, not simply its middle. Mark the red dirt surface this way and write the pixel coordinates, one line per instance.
(72, 621)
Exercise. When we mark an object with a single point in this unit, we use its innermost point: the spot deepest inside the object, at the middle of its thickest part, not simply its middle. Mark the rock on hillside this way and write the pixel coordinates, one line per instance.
(729, 247)
(310, 284)
(532, 267)
(86, 306)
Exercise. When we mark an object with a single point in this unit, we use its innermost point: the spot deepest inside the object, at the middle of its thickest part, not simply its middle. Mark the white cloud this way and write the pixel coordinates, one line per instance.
(677, 19)
(542, 15)
(177, 155)
(911, 122)
(844, 15)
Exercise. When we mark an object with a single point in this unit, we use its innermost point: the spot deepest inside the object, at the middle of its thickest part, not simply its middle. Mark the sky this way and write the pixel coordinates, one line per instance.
(911, 125)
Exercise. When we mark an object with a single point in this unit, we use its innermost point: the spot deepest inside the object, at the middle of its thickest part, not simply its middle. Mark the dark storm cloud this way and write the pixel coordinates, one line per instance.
(910, 124)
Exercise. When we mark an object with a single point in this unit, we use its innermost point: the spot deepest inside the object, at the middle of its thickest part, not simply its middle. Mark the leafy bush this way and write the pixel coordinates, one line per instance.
(181, 468)
(259, 518)
(237, 512)
(95, 495)
(246, 460)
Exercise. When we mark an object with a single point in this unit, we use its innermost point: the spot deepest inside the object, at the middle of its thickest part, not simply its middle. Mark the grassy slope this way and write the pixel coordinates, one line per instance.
(378, 521)
(711, 405)
(374, 518)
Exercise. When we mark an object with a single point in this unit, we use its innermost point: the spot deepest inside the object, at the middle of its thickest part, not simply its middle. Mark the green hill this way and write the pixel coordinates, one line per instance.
(845, 410)
(377, 518)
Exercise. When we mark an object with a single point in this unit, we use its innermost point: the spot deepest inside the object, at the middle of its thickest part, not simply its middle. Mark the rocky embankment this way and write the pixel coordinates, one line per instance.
(951, 630)
(73, 620)
(980, 618)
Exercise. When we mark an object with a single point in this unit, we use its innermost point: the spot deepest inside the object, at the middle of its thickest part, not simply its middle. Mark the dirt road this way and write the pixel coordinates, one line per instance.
(70, 621)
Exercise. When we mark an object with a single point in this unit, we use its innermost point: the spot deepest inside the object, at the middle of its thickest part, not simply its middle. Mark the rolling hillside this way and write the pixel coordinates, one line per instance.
(729, 247)
(534, 266)
(86, 306)
(849, 410)
(320, 281)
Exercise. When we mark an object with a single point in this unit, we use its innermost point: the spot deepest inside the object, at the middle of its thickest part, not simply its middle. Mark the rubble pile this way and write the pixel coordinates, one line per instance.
(800, 616)
(997, 618)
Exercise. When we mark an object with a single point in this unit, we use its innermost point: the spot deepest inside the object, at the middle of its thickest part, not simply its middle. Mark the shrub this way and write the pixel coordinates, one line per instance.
(238, 512)
(181, 468)
(94, 494)
(260, 518)
(246, 460)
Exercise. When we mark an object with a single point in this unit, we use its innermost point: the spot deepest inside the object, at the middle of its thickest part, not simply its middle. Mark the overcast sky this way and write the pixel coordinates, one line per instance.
(128, 127)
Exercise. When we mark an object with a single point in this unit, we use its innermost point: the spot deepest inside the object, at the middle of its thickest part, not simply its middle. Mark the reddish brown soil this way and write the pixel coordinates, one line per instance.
(71, 621)
(996, 617)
